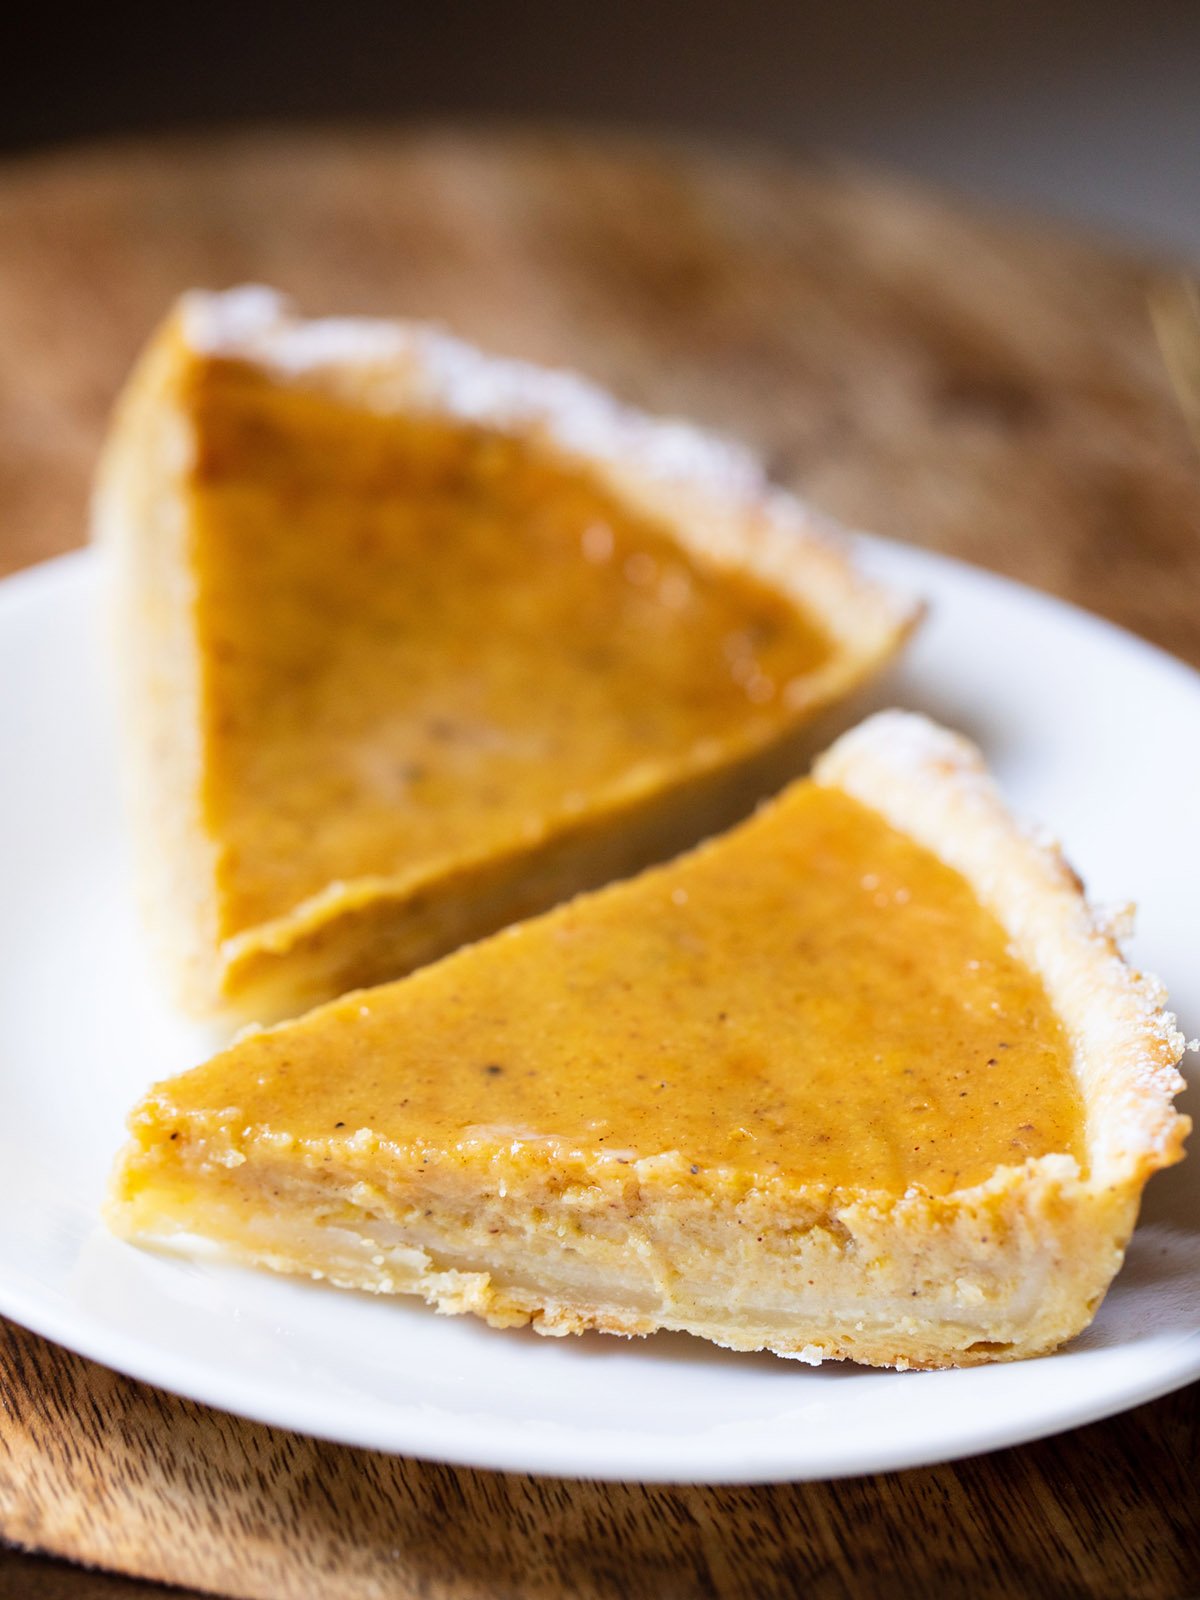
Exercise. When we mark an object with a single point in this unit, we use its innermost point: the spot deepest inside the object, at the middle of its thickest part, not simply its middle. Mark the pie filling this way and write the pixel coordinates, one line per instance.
(813, 1002)
(355, 576)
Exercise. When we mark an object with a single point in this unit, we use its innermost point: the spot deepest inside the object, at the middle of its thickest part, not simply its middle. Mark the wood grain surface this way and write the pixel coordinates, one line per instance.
(975, 384)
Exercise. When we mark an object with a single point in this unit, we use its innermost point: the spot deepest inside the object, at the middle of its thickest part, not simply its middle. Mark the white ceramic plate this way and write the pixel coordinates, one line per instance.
(1088, 729)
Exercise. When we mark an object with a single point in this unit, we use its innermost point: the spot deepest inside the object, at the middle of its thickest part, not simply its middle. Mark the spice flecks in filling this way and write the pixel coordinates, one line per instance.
(825, 1000)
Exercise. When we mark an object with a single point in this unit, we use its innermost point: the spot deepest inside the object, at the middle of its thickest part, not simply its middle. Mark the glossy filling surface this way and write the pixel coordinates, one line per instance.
(812, 997)
(424, 640)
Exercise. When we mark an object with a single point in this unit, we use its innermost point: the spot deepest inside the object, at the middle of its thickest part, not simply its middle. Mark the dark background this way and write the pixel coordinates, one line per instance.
(1087, 108)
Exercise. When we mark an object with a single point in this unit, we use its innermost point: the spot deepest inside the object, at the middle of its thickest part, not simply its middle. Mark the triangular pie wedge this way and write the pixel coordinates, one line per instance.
(863, 1078)
(419, 642)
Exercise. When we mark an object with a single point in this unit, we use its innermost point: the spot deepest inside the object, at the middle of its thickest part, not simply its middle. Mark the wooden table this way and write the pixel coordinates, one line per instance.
(975, 384)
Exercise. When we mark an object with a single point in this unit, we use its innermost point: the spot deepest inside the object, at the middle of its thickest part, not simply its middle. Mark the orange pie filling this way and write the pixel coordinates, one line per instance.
(627, 1113)
(425, 641)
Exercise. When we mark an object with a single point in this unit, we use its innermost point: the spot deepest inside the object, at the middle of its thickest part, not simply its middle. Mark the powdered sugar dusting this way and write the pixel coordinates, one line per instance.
(713, 491)
(439, 372)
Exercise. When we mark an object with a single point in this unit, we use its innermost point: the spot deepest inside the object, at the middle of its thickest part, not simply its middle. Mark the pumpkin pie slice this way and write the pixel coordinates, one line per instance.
(420, 642)
(863, 1078)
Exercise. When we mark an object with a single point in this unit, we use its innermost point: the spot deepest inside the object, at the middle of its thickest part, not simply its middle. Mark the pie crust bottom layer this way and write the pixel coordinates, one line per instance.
(1014, 1270)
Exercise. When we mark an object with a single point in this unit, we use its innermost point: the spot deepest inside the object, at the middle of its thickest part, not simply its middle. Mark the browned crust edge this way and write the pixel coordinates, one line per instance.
(933, 785)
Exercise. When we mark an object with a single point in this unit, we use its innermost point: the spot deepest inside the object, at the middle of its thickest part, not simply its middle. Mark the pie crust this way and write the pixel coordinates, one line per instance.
(382, 916)
(520, 1224)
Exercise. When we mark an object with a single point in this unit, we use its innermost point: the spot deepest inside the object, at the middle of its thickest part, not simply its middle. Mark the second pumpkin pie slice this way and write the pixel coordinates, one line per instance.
(419, 642)
(862, 1078)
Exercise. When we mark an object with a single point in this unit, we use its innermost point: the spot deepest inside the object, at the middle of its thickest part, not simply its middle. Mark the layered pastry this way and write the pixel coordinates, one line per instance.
(420, 642)
(862, 1078)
